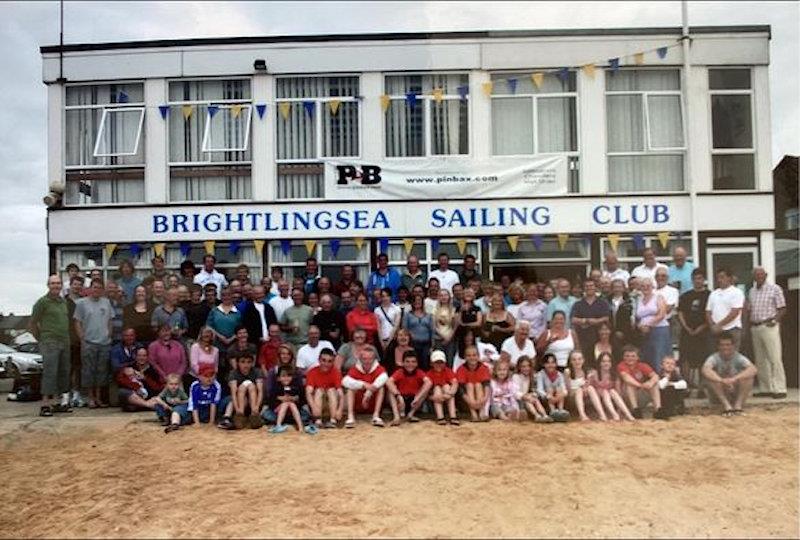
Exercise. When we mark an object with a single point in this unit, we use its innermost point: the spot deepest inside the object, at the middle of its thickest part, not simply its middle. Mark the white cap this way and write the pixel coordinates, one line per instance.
(438, 356)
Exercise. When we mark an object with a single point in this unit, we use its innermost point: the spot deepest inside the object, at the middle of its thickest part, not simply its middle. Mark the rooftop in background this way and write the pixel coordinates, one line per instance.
(397, 36)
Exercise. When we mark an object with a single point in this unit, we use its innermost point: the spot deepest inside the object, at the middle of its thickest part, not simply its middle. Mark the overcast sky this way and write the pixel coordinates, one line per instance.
(26, 26)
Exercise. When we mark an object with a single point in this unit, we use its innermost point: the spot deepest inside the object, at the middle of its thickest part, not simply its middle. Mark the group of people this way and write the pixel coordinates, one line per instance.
(200, 347)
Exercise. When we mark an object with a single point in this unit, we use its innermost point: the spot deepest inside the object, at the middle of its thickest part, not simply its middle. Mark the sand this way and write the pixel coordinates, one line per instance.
(121, 476)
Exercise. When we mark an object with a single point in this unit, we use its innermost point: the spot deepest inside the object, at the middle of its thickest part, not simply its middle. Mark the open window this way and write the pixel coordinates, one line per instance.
(120, 132)
(227, 128)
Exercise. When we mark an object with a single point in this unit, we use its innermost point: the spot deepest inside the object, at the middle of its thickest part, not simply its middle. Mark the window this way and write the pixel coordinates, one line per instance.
(630, 255)
(547, 262)
(645, 130)
(429, 257)
(427, 115)
(103, 143)
(294, 262)
(733, 152)
(318, 117)
(527, 119)
(209, 136)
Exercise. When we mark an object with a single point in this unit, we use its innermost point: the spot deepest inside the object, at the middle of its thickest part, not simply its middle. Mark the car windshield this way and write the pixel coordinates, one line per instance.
(5, 349)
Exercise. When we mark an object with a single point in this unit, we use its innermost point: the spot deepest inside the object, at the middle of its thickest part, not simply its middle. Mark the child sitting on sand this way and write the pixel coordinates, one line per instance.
(673, 387)
(551, 388)
(445, 387)
(287, 400)
(526, 397)
(605, 382)
(171, 409)
(324, 385)
(473, 376)
(247, 393)
(503, 399)
(579, 388)
(204, 396)
(407, 387)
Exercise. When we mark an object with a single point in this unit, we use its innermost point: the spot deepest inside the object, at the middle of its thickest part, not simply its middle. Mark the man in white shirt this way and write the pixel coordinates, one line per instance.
(210, 275)
(308, 354)
(612, 270)
(649, 266)
(724, 308)
(518, 345)
(669, 293)
(447, 278)
(283, 301)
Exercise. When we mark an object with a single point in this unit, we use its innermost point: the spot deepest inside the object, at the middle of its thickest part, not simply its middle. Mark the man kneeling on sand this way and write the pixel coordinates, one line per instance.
(729, 374)
(365, 387)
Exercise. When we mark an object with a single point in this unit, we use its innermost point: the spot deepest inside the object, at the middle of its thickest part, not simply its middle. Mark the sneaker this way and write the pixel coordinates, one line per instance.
(60, 408)
(172, 427)
(46, 411)
(225, 424)
(239, 421)
(255, 422)
(637, 413)
(278, 429)
(543, 420)
(311, 429)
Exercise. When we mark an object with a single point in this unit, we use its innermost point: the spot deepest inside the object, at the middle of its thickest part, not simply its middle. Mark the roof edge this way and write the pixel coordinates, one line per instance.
(397, 36)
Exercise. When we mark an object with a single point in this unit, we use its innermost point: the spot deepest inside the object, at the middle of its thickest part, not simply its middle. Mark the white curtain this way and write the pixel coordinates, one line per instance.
(512, 126)
(557, 124)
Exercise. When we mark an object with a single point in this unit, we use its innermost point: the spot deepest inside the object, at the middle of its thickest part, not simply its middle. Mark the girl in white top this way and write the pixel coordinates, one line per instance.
(527, 398)
(579, 389)
(486, 351)
(558, 340)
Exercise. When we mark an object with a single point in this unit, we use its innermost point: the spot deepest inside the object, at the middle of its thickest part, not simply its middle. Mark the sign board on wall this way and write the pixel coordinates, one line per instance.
(441, 178)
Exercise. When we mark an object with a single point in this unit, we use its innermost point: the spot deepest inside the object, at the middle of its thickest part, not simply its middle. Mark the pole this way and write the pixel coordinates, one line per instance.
(61, 78)
(687, 64)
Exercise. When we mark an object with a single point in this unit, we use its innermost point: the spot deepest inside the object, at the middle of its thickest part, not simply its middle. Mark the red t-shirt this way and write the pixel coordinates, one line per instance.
(408, 384)
(440, 378)
(640, 371)
(316, 378)
(479, 375)
(357, 374)
(366, 320)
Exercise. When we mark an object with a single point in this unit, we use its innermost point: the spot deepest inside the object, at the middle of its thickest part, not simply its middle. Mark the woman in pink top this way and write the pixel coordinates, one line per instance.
(203, 351)
(651, 322)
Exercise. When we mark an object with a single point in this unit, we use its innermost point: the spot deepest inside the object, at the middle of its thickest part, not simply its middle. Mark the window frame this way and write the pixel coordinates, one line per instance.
(100, 131)
(425, 100)
(206, 131)
(650, 241)
(431, 262)
(322, 262)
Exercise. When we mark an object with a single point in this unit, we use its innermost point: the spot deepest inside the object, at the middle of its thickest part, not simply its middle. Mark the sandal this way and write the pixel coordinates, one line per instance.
(330, 424)
(172, 427)
(62, 409)
(728, 413)
(395, 422)
(311, 429)
(441, 421)
(738, 412)
(46, 411)
(454, 422)
(378, 422)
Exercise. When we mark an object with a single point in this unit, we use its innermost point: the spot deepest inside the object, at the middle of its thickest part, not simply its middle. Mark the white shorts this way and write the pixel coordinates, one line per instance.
(246, 383)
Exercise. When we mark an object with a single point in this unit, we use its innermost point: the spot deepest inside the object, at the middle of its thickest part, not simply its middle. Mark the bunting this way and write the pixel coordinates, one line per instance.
(286, 246)
(663, 237)
(562, 241)
(236, 110)
(135, 249)
(209, 246)
(613, 64)
(512, 85)
(411, 99)
(309, 107)
(334, 105)
(463, 92)
(512, 240)
(233, 246)
(310, 245)
(538, 79)
(662, 52)
(185, 248)
(613, 241)
(163, 110)
(486, 241)
(461, 243)
(285, 108)
(438, 95)
(638, 241)
(359, 241)
(487, 88)
(588, 69)
(408, 244)
(187, 111)
(638, 58)
(537, 240)
(385, 100)
(122, 97)
(261, 108)
(110, 249)
(158, 249)
(563, 74)
(335, 244)
(212, 110)
(383, 245)
(435, 246)
(259, 245)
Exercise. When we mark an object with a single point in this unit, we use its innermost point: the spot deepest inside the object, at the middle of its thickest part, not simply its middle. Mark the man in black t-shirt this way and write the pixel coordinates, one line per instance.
(695, 341)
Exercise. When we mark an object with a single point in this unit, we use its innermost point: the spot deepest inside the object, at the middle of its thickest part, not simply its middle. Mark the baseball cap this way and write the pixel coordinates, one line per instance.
(438, 356)
(206, 370)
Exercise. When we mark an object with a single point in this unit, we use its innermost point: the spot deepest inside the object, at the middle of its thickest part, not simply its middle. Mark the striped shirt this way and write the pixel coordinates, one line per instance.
(765, 301)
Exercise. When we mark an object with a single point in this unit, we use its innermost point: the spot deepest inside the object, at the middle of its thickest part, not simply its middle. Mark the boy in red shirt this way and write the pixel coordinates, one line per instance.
(638, 377)
(365, 387)
(324, 383)
(408, 387)
(445, 386)
(474, 377)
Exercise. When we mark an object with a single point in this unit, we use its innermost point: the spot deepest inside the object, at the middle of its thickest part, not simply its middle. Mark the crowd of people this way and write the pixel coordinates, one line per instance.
(203, 348)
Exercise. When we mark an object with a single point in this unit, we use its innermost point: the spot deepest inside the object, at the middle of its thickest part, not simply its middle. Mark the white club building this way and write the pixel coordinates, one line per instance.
(532, 150)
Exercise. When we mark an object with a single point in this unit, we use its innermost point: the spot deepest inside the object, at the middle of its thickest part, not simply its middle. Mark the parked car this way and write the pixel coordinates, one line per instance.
(29, 347)
(16, 363)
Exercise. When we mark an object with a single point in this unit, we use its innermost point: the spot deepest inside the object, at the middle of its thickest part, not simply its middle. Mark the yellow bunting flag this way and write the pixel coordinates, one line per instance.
(259, 245)
(333, 105)
(110, 249)
(284, 108)
(613, 241)
(487, 88)
(538, 79)
(359, 242)
(512, 242)
(408, 243)
(588, 69)
(438, 95)
(385, 100)
(638, 58)
(187, 111)
(462, 245)
(562, 240)
(310, 245)
(158, 249)
(663, 237)
(236, 110)
(209, 245)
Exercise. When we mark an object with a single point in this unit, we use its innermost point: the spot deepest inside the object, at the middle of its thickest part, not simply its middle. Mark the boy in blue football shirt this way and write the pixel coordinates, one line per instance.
(204, 396)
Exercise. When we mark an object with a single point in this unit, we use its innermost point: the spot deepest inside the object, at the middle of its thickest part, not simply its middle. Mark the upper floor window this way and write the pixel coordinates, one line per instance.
(427, 115)
(644, 122)
(733, 151)
(209, 139)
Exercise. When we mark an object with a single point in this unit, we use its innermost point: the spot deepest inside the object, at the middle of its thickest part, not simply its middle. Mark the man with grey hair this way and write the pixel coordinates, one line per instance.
(766, 307)
(519, 345)
(680, 271)
(365, 383)
(612, 269)
(282, 302)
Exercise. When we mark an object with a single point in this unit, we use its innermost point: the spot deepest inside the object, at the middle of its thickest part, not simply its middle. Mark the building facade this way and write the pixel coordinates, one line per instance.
(534, 151)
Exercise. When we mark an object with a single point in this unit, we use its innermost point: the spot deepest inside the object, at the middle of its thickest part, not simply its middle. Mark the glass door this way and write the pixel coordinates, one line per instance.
(739, 260)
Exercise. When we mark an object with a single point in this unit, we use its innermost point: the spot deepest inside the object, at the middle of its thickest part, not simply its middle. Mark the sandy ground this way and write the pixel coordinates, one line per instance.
(120, 476)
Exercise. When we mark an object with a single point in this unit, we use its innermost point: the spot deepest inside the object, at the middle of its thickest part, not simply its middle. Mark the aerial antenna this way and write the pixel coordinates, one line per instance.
(61, 79)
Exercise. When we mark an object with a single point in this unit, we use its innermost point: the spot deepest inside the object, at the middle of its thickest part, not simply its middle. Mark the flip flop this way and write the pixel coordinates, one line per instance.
(377, 422)
(395, 422)
(330, 424)
(413, 419)
(350, 424)
(441, 421)
(311, 429)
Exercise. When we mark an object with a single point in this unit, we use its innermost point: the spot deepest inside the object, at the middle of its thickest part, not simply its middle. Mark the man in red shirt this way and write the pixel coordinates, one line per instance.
(324, 383)
(639, 378)
(268, 355)
(408, 387)
(365, 387)
(474, 376)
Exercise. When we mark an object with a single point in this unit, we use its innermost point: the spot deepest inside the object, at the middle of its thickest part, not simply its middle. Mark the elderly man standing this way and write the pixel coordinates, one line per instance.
(612, 269)
(413, 274)
(766, 307)
(730, 375)
(680, 271)
(648, 267)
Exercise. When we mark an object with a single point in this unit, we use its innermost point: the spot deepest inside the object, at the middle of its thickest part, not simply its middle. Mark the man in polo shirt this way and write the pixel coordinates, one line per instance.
(308, 354)
(518, 345)
(639, 378)
(447, 278)
(729, 375)
(587, 315)
(209, 274)
(413, 274)
(612, 269)
(680, 271)
(724, 308)
(766, 307)
(648, 267)
(384, 278)
(50, 325)
(562, 301)
(296, 320)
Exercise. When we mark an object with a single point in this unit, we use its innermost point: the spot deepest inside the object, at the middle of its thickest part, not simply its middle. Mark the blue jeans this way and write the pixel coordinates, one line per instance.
(183, 413)
(657, 345)
(269, 416)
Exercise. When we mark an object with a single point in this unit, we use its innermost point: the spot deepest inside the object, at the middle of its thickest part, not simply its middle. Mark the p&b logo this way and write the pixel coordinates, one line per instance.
(366, 175)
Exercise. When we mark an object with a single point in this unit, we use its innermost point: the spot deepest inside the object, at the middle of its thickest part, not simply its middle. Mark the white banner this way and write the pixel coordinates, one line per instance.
(445, 178)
